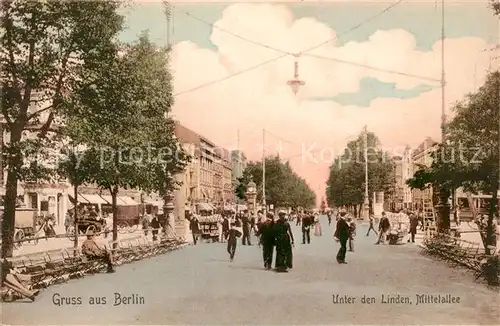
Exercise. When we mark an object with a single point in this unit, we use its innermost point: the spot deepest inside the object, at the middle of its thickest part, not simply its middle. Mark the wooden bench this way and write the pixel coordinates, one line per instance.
(455, 250)
(55, 266)
(42, 269)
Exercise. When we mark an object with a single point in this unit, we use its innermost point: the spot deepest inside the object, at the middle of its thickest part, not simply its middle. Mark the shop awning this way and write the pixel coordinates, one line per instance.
(204, 207)
(94, 199)
(109, 199)
(81, 199)
(128, 201)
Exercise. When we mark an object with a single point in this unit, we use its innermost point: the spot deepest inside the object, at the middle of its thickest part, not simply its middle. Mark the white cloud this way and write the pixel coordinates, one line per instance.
(261, 99)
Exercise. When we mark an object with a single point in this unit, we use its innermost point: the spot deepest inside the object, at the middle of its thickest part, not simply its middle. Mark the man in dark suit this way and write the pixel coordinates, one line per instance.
(246, 230)
(413, 227)
(267, 239)
(233, 234)
(307, 222)
(342, 235)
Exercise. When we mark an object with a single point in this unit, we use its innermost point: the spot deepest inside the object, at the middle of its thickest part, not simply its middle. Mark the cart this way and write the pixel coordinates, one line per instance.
(209, 227)
(87, 223)
(26, 222)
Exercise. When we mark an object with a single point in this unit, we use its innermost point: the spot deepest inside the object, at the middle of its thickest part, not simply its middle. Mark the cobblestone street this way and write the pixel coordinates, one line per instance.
(198, 285)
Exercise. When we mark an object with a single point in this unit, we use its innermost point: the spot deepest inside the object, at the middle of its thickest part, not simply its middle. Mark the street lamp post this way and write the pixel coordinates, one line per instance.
(366, 205)
(251, 196)
(443, 207)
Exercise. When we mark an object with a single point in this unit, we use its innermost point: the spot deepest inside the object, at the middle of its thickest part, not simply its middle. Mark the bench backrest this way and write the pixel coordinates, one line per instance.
(55, 256)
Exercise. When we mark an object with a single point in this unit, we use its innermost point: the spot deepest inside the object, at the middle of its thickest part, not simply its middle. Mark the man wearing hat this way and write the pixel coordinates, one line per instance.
(266, 233)
(284, 243)
(93, 251)
(342, 235)
(235, 231)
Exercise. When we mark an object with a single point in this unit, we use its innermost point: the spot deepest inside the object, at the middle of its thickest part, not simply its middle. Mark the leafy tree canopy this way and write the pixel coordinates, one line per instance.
(346, 182)
(284, 188)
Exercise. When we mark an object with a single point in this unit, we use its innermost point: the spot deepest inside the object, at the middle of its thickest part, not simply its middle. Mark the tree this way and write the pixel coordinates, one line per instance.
(495, 5)
(132, 93)
(43, 45)
(346, 182)
(75, 168)
(240, 189)
(284, 188)
(470, 156)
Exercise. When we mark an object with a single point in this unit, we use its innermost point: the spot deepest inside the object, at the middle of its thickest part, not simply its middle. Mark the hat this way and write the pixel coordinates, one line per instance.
(89, 233)
(343, 213)
(281, 213)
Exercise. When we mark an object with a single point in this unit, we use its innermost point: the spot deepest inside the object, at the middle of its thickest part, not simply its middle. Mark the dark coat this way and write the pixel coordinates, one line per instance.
(267, 234)
(194, 226)
(384, 224)
(413, 224)
(342, 230)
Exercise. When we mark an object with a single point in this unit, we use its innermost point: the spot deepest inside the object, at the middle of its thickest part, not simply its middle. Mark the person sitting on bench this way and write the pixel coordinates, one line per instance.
(11, 281)
(93, 251)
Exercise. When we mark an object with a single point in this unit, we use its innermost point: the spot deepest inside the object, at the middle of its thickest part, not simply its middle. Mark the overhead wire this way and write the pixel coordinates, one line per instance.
(279, 137)
(286, 53)
(354, 27)
(319, 150)
(216, 81)
(373, 68)
(213, 25)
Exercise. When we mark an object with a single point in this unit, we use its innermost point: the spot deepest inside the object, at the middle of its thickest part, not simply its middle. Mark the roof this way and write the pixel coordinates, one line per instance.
(427, 144)
(186, 135)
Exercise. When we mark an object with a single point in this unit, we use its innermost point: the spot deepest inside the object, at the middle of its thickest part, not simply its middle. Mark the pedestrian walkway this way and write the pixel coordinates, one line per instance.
(198, 285)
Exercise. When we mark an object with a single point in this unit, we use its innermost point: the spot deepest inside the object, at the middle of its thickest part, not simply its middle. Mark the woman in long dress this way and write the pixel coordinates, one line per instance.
(317, 227)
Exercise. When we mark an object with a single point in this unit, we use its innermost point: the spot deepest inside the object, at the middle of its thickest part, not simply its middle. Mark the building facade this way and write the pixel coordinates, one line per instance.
(227, 178)
(208, 178)
(407, 173)
(238, 164)
(398, 194)
(188, 192)
(46, 197)
(422, 157)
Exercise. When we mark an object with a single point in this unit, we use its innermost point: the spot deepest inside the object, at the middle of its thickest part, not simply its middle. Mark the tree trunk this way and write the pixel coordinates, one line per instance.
(114, 193)
(75, 216)
(443, 220)
(14, 163)
(492, 210)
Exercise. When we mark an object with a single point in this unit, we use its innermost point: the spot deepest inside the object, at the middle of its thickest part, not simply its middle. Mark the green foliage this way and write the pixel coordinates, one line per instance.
(470, 156)
(284, 188)
(346, 182)
(240, 188)
(43, 48)
(131, 93)
(118, 113)
(495, 5)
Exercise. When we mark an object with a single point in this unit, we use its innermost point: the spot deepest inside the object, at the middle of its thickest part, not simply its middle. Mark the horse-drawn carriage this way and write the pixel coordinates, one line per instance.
(27, 223)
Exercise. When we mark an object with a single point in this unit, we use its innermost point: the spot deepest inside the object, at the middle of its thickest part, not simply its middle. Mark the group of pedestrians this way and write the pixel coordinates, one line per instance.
(276, 234)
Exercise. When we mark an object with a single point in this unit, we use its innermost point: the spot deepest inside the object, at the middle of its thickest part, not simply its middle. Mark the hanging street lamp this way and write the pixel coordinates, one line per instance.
(295, 83)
